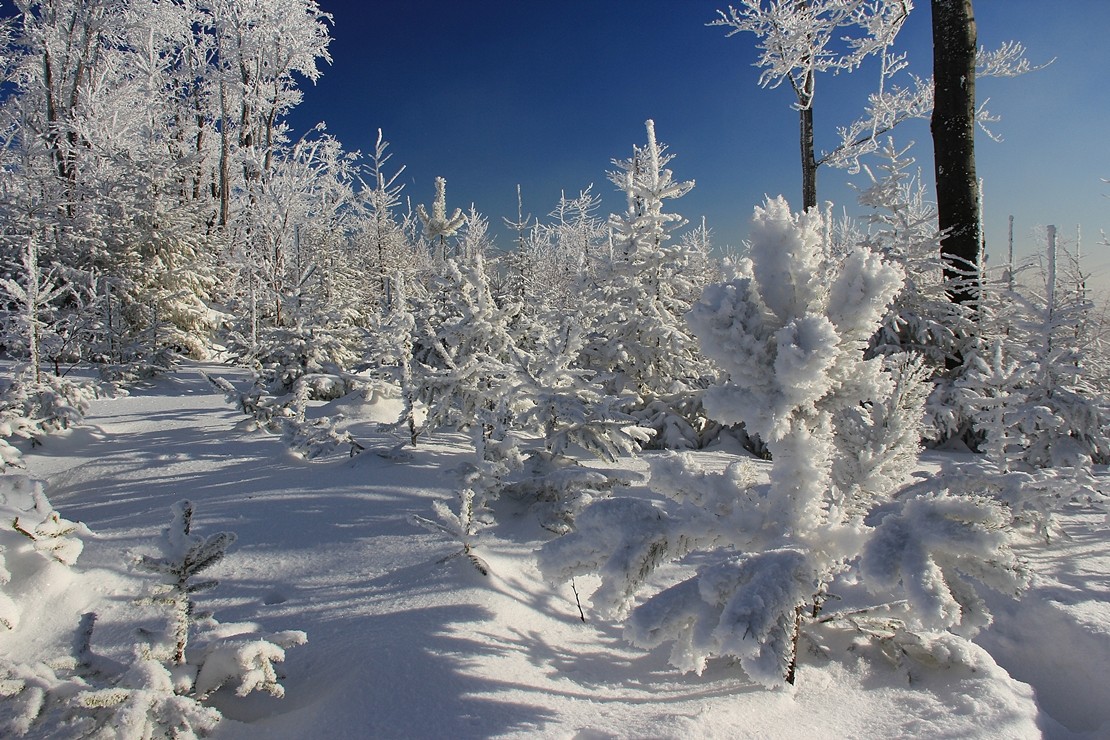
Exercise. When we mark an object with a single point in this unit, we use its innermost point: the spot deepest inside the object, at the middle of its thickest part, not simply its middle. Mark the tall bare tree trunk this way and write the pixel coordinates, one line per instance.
(953, 130)
(809, 160)
(225, 159)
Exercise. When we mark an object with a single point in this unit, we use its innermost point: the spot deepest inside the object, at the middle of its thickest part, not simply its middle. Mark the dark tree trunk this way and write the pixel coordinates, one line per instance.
(809, 160)
(953, 130)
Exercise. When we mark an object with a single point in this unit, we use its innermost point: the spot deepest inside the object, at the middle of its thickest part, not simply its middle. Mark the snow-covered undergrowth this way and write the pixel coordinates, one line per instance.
(88, 691)
(31, 408)
(401, 644)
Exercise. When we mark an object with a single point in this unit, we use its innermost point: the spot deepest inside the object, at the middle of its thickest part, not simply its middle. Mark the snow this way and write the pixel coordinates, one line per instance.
(400, 644)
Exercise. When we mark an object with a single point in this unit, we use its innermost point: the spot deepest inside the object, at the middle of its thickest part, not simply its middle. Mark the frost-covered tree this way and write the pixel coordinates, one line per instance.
(130, 130)
(464, 372)
(224, 655)
(1025, 386)
(31, 409)
(184, 556)
(34, 297)
(791, 331)
(384, 236)
(438, 226)
(577, 248)
(257, 49)
(896, 102)
(798, 39)
(901, 225)
(296, 298)
(161, 692)
(639, 341)
(560, 402)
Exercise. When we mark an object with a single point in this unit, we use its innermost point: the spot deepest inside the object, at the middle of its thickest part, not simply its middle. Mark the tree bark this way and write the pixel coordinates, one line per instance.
(809, 162)
(953, 132)
(809, 159)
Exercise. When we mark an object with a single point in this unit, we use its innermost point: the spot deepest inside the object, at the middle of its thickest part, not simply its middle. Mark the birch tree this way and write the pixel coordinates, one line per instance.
(799, 39)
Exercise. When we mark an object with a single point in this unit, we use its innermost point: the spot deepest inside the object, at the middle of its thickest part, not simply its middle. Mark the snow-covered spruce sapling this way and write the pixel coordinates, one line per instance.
(34, 301)
(31, 525)
(38, 541)
(145, 703)
(1054, 414)
(31, 409)
(400, 329)
(161, 692)
(568, 411)
(639, 342)
(438, 226)
(1032, 497)
(184, 555)
(228, 653)
(791, 332)
(462, 527)
(463, 380)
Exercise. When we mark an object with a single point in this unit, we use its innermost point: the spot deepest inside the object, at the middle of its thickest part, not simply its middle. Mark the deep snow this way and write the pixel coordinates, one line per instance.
(401, 644)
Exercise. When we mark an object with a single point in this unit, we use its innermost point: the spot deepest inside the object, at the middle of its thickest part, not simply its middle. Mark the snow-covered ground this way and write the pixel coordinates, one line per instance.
(404, 645)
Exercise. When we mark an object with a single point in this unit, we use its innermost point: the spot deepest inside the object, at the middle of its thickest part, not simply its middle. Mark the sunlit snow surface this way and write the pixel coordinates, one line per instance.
(401, 645)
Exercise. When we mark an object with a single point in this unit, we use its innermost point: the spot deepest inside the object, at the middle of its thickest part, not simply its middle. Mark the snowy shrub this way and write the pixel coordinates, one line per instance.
(30, 409)
(1023, 393)
(880, 440)
(1031, 497)
(33, 696)
(558, 487)
(285, 415)
(678, 420)
(248, 660)
(791, 331)
(461, 526)
(30, 525)
(564, 405)
(224, 653)
(300, 351)
(1030, 404)
(504, 395)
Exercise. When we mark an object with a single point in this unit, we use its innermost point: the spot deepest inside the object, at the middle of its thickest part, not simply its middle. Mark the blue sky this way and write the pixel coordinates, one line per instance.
(494, 93)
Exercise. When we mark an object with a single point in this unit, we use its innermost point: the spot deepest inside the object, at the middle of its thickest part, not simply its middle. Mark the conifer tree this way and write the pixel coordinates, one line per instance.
(791, 332)
(640, 343)
(438, 226)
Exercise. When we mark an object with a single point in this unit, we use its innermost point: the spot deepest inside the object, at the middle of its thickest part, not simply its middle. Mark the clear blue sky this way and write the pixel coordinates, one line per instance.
(492, 93)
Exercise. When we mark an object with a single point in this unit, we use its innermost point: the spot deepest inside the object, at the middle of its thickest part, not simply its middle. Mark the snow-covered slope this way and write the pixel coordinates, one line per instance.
(401, 644)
